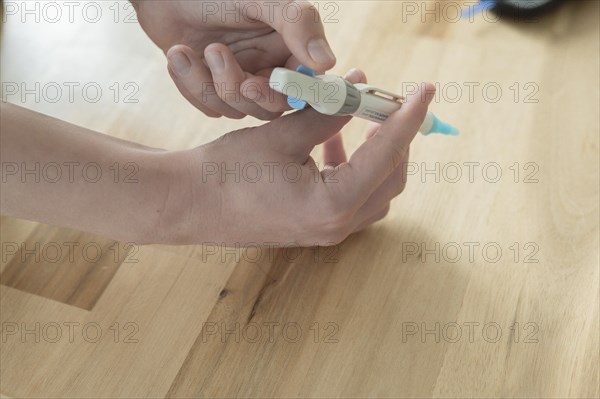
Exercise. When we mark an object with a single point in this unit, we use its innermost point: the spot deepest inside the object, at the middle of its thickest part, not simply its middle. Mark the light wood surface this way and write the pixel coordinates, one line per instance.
(528, 317)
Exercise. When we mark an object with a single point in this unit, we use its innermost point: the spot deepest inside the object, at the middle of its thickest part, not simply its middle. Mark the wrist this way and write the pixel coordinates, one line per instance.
(187, 206)
(166, 200)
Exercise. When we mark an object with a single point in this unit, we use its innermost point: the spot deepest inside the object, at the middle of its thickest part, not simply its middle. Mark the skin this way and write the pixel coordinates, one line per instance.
(276, 194)
(221, 54)
(179, 196)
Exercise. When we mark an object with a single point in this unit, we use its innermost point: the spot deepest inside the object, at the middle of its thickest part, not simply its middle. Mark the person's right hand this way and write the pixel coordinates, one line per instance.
(221, 54)
(260, 185)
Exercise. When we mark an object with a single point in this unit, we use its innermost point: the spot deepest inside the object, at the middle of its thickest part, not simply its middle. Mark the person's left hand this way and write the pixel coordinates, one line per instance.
(221, 54)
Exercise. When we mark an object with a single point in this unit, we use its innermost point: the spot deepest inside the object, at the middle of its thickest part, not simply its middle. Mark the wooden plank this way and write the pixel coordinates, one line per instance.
(420, 305)
(65, 265)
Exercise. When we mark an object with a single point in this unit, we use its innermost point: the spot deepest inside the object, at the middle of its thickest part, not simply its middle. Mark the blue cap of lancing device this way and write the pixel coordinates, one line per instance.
(297, 103)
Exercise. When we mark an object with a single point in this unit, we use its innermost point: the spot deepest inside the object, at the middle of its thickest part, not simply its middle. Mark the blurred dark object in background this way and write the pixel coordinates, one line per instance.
(524, 8)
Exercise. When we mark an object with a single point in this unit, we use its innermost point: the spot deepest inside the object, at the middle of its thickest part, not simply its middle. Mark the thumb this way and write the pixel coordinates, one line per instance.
(298, 133)
(299, 23)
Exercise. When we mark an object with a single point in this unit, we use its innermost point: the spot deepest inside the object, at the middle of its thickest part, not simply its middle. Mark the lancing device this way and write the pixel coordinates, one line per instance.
(334, 95)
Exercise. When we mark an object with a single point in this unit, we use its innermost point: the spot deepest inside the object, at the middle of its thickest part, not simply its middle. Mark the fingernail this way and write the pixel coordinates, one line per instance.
(320, 51)
(215, 61)
(180, 62)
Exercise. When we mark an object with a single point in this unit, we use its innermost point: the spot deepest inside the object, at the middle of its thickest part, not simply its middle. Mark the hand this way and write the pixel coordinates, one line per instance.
(260, 185)
(221, 54)
(255, 186)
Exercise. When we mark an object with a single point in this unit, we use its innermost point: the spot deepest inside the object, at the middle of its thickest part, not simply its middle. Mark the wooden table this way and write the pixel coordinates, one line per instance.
(482, 282)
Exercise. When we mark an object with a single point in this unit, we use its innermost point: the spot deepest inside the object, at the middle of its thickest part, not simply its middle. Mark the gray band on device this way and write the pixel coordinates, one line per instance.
(352, 101)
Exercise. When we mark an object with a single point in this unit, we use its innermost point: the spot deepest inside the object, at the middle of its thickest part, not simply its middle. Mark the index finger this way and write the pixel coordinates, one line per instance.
(379, 156)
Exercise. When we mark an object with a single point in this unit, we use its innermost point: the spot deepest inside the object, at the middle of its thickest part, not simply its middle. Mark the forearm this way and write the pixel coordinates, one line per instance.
(58, 173)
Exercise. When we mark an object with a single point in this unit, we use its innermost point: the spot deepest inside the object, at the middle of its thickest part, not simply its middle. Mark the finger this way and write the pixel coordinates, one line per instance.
(375, 217)
(260, 52)
(379, 156)
(299, 23)
(256, 88)
(372, 130)
(334, 152)
(188, 96)
(356, 75)
(228, 76)
(298, 133)
(191, 74)
(393, 186)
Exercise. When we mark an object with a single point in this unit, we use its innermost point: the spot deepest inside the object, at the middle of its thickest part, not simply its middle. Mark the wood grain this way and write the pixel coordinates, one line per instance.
(419, 305)
(63, 265)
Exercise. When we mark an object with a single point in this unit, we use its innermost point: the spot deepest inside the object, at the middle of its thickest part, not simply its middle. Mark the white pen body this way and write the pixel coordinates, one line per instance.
(333, 95)
(377, 109)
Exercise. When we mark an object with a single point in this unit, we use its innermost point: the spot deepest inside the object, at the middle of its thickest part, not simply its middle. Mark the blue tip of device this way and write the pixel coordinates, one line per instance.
(442, 128)
(306, 70)
(476, 9)
(297, 103)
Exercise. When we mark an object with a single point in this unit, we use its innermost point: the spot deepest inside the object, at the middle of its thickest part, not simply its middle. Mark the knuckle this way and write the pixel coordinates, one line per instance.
(333, 237)
(333, 222)
(266, 116)
(273, 115)
(228, 139)
(309, 8)
(236, 115)
(396, 153)
(399, 188)
(402, 187)
(384, 212)
(331, 241)
(338, 238)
